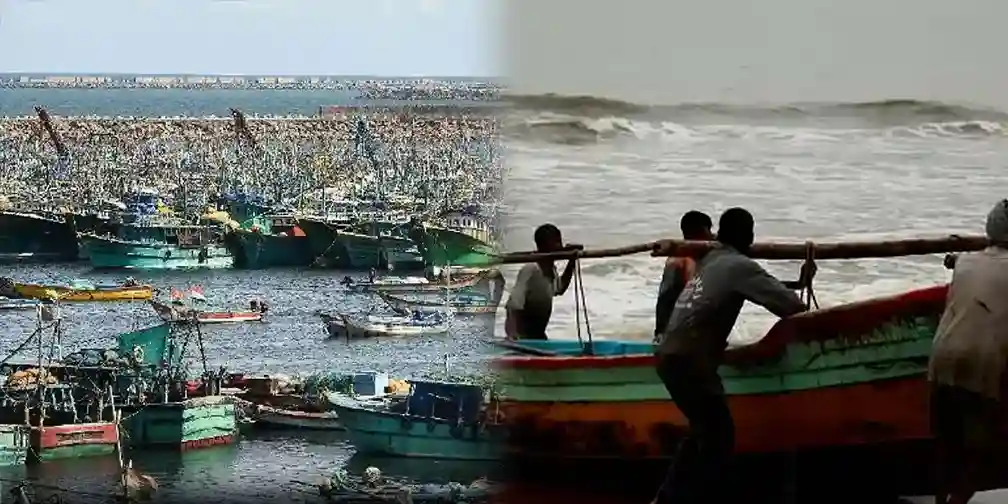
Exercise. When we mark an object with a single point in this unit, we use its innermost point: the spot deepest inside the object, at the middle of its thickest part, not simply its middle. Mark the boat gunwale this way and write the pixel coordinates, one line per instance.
(913, 303)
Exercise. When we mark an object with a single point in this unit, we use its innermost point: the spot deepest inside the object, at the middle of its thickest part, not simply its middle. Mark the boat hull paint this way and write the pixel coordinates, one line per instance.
(812, 390)
(374, 432)
(253, 250)
(190, 424)
(287, 419)
(68, 294)
(448, 247)
(33, 237)
(72, 441)
(14, 445)
(105, 253)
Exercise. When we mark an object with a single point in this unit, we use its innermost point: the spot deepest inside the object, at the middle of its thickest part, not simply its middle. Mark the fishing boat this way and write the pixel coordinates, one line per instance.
(79, 291)
(844, 386)
(17, 304)
(158, 412)
(437, 420)
(152, 237)
(414, 284)
(459, 238)
(277, 417)
(36, 236)
(360, 242)
(269, 241)
(460, 304)
(377, 326)
(181, 313)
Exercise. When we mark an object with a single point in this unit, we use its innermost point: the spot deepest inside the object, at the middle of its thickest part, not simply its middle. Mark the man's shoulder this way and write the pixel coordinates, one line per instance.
(732, 260)
(529, 269)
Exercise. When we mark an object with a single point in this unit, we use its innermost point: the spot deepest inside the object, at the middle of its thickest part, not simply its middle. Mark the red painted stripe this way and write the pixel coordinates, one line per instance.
(208, 442)
(847, 320)
(74, 434)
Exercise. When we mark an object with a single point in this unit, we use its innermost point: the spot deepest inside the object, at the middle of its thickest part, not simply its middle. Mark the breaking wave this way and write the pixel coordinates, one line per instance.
(585, 119)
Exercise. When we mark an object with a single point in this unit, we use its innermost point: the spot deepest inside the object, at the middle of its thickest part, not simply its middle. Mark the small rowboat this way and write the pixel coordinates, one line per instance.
(17, 304)
(417, 324)
(461, 304)
(417, 284)
(83, 292)
(276, 417)
(179, 314)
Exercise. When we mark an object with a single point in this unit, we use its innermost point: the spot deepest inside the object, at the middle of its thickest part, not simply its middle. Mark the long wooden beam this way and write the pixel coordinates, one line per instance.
(774, 251)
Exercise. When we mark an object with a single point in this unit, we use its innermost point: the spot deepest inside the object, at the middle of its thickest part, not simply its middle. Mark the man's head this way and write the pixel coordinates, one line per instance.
(735, 228)
(696, 225)
(997, 224)
(548, 238)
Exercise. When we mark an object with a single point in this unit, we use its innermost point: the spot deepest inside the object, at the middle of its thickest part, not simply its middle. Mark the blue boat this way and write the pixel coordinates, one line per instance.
(7, 303)
(438, 421)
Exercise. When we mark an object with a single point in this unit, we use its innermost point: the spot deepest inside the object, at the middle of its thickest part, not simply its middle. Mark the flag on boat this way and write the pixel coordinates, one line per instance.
(176, 294)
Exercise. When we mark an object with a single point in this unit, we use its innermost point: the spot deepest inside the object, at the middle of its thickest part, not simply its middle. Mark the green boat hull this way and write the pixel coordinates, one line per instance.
(448, 247)
(109, 253)
(193, 423)
(253, 250)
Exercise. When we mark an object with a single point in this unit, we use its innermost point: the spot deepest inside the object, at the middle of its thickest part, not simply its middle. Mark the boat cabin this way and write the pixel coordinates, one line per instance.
(470, 224)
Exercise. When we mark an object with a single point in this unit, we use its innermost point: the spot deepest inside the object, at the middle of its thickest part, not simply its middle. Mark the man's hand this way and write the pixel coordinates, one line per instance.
(950, 261)
(808, 272)
(570, 247)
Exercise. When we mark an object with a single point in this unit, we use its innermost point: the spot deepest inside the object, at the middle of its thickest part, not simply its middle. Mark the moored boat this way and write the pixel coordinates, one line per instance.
(169, 313)
(36, 236)
(277, 417)
(269, 241)
(462, 238)
(17, 304)
(460, 304)
(437, 420)
(376, 326)
(105, 252)
(417, 284)
(81, 291)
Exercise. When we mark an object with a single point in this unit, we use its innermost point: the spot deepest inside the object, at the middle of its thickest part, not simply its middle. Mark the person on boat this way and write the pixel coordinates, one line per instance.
(692, 347)
(967, 369)
(531, 302)
(372, 273)
(695, 225)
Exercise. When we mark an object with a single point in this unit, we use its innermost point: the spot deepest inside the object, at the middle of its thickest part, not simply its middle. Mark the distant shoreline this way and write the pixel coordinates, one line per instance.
(57, 81)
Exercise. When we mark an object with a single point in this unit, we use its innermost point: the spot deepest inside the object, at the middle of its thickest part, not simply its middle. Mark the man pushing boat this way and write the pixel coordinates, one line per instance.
(691, 349)
(967, 365)
(695, 225)
(531, 302)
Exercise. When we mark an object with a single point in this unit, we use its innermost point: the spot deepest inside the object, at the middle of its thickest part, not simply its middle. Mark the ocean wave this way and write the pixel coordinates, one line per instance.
(584, 119)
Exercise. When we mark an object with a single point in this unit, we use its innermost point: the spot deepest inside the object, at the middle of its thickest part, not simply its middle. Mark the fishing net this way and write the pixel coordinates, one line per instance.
(331, 382)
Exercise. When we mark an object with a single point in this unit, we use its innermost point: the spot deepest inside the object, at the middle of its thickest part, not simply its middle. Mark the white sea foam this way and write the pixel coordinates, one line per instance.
(823, 184)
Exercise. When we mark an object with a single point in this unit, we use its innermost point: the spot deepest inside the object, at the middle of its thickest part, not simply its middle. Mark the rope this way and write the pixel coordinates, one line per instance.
(581, 308)
(808, 271)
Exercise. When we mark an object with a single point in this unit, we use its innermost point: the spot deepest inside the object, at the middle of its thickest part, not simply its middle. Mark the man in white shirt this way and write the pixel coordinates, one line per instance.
(531, 302)
(968, 363)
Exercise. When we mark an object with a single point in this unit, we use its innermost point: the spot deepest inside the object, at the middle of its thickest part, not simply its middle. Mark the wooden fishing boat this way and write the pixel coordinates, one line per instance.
(17, 304)
(84, 292)
(838, 395)
(460, 304)
(189, 424)
(438, 420)
(73, 440)
(372, 326)
(393, 285)
(287, 418)
(848, 376)
(170, 313)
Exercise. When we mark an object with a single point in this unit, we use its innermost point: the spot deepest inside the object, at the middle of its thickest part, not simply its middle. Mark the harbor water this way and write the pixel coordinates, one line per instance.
(291, 339)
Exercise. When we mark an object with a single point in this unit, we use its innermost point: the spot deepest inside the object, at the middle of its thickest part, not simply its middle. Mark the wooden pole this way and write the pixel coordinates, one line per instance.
(774, 251)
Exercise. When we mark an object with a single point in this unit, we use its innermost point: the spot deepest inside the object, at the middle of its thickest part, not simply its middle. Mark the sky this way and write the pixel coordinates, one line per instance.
(731, 51)
(268, 37)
